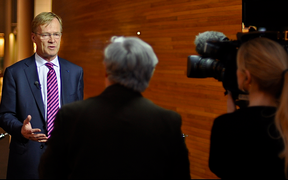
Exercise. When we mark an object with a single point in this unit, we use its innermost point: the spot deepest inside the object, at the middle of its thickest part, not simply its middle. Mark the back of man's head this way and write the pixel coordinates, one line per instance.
(130, 62)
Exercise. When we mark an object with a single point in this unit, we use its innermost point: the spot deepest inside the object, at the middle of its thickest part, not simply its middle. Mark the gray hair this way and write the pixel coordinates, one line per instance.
(202, 38)
(130, 62)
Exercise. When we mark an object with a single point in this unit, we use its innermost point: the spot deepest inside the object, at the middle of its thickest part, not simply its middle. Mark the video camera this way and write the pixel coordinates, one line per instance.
(218, 60)
(217, 55)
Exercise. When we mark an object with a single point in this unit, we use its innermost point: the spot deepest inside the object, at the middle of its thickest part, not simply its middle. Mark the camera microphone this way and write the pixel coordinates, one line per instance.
(202, 38)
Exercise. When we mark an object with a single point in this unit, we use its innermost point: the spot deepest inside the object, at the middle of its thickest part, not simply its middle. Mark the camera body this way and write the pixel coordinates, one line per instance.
(219, 60)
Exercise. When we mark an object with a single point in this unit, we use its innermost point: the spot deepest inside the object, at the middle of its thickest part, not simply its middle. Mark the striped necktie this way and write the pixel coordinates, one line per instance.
(52, 98)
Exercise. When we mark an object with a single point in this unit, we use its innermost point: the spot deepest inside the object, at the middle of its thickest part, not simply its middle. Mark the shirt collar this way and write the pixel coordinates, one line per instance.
(41, 62)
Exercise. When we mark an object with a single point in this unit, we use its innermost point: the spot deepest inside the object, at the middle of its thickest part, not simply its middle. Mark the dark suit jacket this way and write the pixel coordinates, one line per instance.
(118, 134)
(245, 144)
(21, 96)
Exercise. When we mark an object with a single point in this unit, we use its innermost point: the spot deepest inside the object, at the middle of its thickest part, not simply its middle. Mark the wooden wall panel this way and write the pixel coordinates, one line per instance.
(170, 27)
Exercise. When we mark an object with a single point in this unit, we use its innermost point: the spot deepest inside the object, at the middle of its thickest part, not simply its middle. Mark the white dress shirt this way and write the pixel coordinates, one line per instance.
(42, 70)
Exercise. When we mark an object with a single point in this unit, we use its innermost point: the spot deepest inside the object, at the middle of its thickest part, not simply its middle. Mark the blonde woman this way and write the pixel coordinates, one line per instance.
(252, 142)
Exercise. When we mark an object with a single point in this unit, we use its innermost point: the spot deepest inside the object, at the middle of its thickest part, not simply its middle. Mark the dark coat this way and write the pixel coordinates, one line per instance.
(118, 134)
(245, 144)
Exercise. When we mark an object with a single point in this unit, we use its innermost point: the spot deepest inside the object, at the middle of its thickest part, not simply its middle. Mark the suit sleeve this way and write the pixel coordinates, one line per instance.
(220, 152)
(8, 119)
(181, 161)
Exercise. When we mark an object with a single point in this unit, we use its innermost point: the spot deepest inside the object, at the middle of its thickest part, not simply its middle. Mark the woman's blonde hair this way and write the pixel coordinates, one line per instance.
(267, 61)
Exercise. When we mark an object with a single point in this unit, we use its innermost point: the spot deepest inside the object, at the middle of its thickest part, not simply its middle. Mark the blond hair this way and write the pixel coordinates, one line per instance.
(44, 18)
(267, 60)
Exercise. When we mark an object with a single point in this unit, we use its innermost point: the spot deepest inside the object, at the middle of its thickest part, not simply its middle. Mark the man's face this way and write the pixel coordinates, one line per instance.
(47, 40)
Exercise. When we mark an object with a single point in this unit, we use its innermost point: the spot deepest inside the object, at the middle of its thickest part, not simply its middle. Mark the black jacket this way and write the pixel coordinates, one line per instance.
(118, 134)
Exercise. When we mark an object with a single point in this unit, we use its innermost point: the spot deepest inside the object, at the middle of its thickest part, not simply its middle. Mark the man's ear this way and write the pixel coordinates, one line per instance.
(33, 36)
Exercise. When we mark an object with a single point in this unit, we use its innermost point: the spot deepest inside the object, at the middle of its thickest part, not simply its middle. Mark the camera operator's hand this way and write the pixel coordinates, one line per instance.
(231, 107)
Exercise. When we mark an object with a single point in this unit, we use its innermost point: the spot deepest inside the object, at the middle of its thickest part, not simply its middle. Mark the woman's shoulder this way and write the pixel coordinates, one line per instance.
(248, 113)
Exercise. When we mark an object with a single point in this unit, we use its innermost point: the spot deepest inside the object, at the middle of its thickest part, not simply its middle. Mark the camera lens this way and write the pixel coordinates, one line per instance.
(199, 67)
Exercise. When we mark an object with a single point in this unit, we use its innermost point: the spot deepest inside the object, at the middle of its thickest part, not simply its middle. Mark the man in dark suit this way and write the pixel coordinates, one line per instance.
(24, 104)
(118, 134)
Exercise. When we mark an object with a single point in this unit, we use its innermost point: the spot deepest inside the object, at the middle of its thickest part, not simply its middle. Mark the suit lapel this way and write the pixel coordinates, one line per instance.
(64, 75)
(32, 78)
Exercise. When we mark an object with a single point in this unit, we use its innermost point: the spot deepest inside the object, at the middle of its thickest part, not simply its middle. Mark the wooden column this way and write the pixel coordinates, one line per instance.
(25, 15)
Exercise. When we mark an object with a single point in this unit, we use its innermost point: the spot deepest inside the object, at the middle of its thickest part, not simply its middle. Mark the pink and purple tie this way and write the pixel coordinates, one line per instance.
(52, 98)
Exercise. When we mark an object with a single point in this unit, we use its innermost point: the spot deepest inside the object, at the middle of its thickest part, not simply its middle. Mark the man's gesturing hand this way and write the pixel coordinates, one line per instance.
(32, 134)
